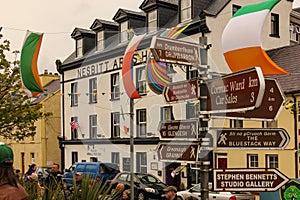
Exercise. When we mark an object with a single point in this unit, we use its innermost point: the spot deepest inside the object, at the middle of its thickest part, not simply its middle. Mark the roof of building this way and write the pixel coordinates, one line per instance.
(50, 88)
(288, 58)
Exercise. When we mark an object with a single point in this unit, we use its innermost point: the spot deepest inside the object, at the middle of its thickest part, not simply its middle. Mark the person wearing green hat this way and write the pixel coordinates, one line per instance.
(10, 189)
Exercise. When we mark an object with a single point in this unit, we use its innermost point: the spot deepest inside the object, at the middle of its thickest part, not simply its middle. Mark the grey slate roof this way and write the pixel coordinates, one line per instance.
(288, 58)
(215, 7)
(50, 88)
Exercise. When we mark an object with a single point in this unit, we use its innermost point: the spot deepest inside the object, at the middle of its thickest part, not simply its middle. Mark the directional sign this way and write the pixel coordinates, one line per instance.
(275, 138)
(179, 129)
(178, 152)
(175, 51)
(253, 180)
(270, 107)
(179, 91)
(235, 92)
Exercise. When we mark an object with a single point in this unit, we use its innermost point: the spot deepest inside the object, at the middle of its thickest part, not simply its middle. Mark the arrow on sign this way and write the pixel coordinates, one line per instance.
(251, 180)
(275, 138)
(270, 108)
(180, 91)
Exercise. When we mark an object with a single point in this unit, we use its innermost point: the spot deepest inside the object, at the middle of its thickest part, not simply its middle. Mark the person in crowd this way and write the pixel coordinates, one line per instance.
(31, 169)
(76, 190)
(10, 189)
(126, 194)
(18, 175)
(117, 192)
(53, 180)
(34, 186)
(170, 193)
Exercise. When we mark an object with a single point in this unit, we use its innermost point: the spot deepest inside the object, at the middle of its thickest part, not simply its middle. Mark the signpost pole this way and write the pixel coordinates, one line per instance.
(131, 148)
(203, 122)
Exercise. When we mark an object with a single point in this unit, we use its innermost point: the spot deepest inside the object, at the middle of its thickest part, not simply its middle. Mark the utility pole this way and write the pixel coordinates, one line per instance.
(203, 120)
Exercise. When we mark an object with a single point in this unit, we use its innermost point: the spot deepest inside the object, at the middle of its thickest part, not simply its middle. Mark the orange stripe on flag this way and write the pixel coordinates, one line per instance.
(34, 62)
(252, 57)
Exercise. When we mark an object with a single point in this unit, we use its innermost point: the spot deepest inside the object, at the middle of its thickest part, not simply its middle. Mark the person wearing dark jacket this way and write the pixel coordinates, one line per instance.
(10, 189)
(53, 180)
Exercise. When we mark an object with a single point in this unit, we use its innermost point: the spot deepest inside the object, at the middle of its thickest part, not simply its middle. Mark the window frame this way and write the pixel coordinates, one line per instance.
(93, 126)
(141, 162)
(185, 6)
(152, 20)
(74, 135)
(141, 83)
(252, 161)
(115, 125)
(272, 163)
(141, 122)
(100, 40)
(274, 25)
(115, 158)
(93, 90)
(115, 86)
(124, 36)
(79, 47)
(166, 113)
(74, 94)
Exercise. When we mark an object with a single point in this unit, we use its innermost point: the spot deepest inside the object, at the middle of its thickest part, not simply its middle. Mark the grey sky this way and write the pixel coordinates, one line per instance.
(57, 19)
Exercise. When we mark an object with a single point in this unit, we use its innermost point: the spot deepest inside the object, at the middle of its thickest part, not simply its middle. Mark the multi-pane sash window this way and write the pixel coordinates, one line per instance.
(93, 90)
(124, 31)
(93, 126)
(141, 162)
(79, 48)
(166, 113)
(272, 161)
(152, 20)
(274, 25)
(141, 80)
(74, 94)
(186, 10)
(115, 157)
(252, 160)
(192, 110)
(74, 128)
(115, 86)
(100, 40)
(141, 123)
(115, 124)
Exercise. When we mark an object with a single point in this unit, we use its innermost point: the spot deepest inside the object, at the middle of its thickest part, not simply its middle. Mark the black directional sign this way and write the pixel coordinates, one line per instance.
(178, 152)
(275, 138)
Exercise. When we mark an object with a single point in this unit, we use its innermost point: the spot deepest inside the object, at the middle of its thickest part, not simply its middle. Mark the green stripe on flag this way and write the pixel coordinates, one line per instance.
(266, 5)
(27, 54)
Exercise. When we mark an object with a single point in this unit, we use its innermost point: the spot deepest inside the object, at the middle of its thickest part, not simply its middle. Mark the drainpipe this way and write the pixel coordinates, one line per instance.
(296, 134)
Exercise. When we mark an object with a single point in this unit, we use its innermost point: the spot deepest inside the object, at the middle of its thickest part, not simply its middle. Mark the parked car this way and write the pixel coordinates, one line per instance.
(146, 186)
(100, 171)
(43, 173)
(196, 194)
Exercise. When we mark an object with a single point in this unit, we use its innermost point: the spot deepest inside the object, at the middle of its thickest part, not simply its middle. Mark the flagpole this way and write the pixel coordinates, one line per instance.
(131, 148)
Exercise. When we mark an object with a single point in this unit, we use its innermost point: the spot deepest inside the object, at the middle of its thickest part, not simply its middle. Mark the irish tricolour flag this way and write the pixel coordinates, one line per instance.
(241, 39)
(28, 62)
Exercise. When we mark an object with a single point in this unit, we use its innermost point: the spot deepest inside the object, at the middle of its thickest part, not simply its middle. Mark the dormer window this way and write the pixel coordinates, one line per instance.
(100, 40)
(79, 48)
(124, 31)
(185, 10)
(152, 21)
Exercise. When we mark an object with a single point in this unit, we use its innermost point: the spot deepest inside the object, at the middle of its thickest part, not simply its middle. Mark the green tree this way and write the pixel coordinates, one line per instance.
(18, 112)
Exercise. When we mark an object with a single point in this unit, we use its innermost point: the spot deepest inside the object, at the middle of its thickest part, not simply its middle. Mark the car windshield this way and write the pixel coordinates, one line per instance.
(146, 178)
(107, 168)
